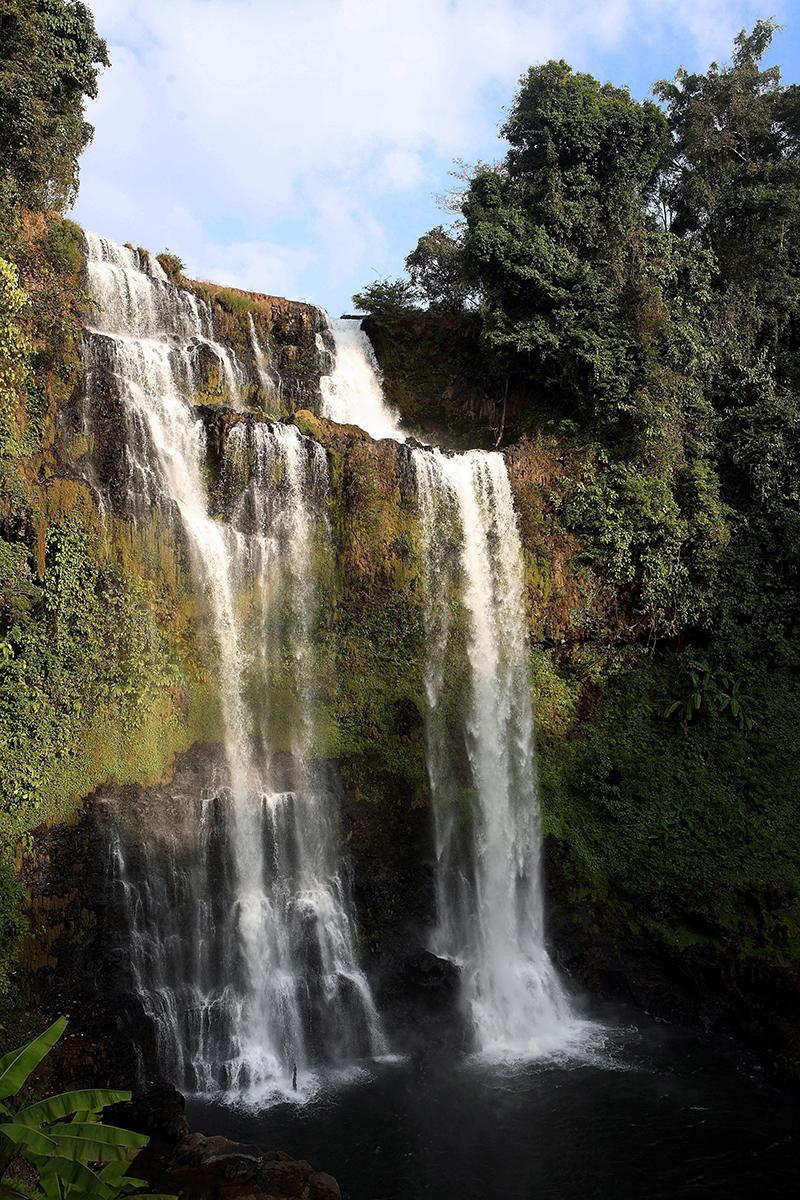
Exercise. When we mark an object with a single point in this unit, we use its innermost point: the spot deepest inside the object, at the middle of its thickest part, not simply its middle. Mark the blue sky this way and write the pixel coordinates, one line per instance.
(296, 147)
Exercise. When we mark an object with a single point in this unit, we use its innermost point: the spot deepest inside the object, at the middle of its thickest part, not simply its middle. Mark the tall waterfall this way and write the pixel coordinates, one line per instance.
(241, 924)
(490, 909)
(483, 776)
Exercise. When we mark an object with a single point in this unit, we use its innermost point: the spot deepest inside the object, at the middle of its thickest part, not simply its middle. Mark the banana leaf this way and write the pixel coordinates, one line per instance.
(53, 1108)
(83, 1150)
(16, 1066)
(60, 1176)
(25, 1138)
(108, 1135)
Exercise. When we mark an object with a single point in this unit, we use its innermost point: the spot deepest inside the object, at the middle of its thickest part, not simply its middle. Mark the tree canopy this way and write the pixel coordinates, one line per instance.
(637, 268)
(51, 55)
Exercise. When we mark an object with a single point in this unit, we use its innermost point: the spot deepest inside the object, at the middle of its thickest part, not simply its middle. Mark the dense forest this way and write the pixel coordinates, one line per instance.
(622, 289)
(635, 267)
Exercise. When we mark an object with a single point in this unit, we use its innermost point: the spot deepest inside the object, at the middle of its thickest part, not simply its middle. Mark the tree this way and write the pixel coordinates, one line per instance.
(559, 242)
(50, 59)
(603, 315)
(387, 298)
(436, 269)
(733, 180)
(584, 155)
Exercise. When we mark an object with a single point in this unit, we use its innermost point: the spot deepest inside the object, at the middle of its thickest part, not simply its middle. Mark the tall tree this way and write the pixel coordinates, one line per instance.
(733, 181)
(49, 59)
(555, 241)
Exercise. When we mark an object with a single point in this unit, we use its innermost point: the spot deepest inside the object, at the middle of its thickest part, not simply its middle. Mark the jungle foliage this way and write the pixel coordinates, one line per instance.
(637, 272)
(75, 1155)
(48, 65)
(97, 646)
(637, 268)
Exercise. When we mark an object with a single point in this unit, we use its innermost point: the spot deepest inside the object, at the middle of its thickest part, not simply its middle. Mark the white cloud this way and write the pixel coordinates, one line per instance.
(255, 266)
(298, 138)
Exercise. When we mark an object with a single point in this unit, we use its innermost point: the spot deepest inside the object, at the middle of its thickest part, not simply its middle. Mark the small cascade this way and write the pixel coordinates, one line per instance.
(241, 926)
(484, 784)
(142, 304)
(269, 378)
(352, 394)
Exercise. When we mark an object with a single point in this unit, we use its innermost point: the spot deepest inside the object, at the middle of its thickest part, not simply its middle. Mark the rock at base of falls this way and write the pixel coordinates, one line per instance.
(179, 1162)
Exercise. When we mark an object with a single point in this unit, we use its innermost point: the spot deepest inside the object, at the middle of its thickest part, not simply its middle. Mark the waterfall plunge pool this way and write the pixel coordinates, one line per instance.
(654, 1111)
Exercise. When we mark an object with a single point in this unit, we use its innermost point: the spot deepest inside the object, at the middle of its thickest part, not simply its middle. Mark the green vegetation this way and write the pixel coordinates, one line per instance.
(66, 1153)
(51, 55)
(636, 271)
(173, 265)
(102, 676)
(618, 301)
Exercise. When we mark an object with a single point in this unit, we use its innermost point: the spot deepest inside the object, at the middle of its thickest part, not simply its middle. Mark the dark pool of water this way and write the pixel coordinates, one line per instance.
(653, 1111)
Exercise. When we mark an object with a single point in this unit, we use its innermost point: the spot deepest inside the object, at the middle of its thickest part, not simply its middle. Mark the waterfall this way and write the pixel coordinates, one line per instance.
(236, 898)
(352, 394)
(479, 726)
(488, 838)
(269, 378)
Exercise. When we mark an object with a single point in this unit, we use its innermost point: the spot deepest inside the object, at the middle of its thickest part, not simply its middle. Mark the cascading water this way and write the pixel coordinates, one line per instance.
(490, 911)
(483, 779)
(238, 906)
(352, 394)
(269, 378)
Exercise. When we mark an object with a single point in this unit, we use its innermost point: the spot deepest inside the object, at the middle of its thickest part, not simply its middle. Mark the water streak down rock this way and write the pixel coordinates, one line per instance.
(487, 819)
(239, 912)
(490, 904)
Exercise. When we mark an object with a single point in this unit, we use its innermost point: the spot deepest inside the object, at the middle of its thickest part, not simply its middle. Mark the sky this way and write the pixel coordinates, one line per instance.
(297, 147)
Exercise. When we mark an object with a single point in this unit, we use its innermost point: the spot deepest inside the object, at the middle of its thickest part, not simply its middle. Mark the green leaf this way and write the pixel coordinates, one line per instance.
(91, 1100)
(75, 1173)
(109, 1135)
(84, 1150)
(53, 1187)
(25, 1138)
(114, 1173)
(16, 1066)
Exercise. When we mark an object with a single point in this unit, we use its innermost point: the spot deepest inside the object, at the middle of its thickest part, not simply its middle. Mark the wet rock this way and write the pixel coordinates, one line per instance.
(324, 1187)
(197, 1167)
(159, 1111)
(437, 979)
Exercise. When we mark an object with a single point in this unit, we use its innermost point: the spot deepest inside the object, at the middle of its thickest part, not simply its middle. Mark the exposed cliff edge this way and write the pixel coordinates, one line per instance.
(671, 877)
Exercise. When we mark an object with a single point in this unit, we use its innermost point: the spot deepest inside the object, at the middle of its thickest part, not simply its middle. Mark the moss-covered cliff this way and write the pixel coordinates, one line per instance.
(669, 777)
(105, 661)
(672, 845)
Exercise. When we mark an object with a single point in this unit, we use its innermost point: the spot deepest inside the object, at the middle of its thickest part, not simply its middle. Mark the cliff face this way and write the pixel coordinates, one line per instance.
(671, 865)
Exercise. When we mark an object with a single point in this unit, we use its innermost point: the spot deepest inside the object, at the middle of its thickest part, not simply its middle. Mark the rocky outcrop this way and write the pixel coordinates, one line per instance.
(194, 1167)
(435, 372)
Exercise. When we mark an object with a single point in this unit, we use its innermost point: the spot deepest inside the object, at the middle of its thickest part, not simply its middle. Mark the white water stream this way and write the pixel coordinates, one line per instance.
(237, 899)
(353, 394)
(241, 927)
(488, 834)
(486, 809)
